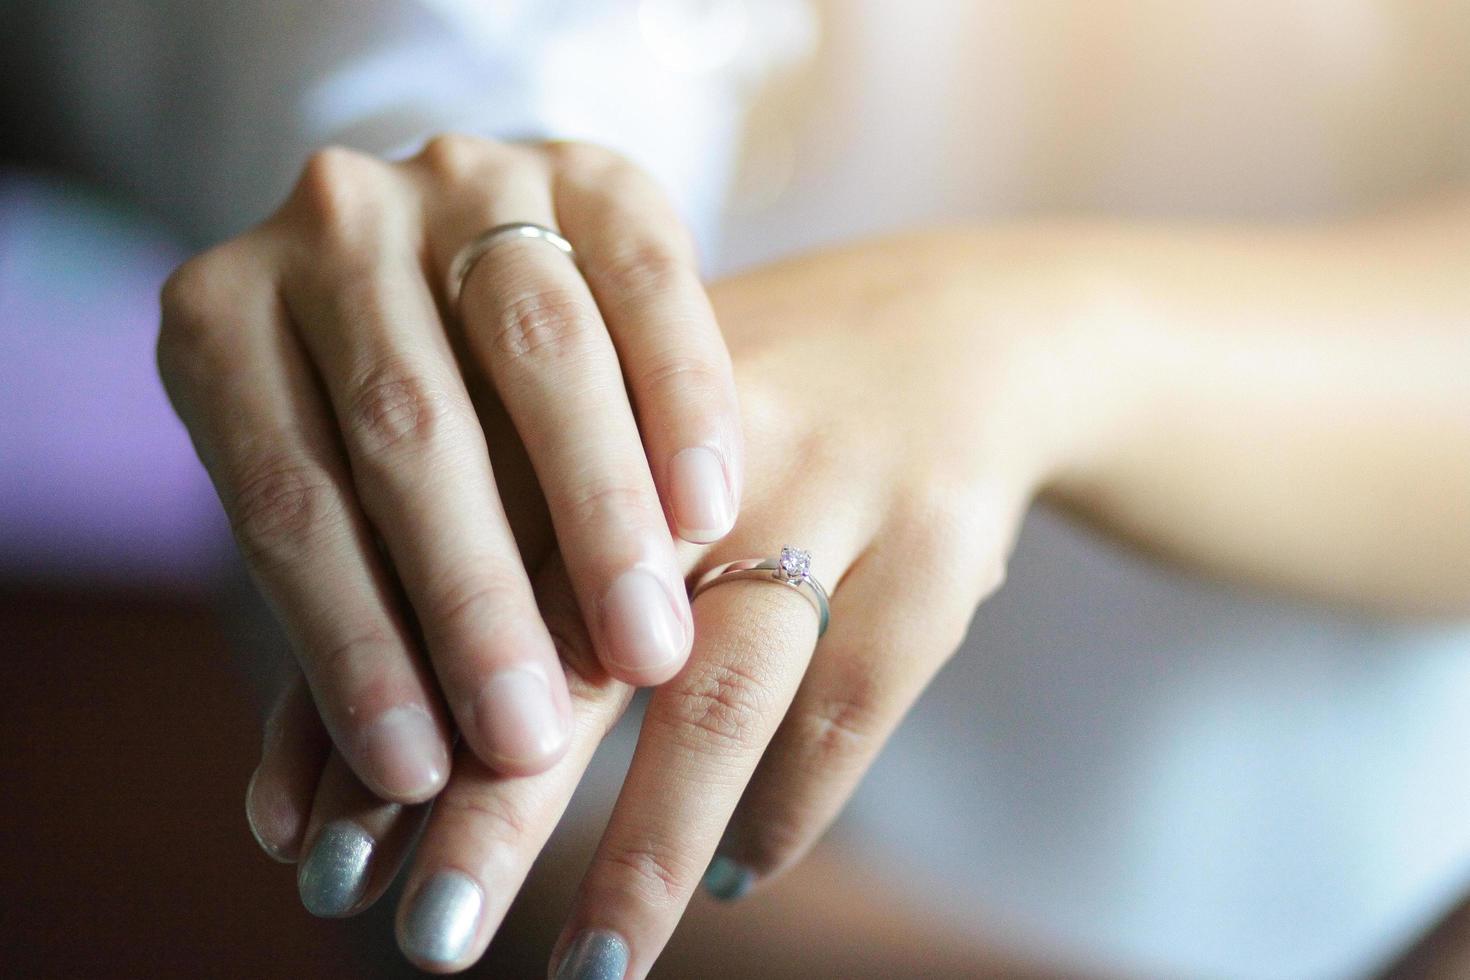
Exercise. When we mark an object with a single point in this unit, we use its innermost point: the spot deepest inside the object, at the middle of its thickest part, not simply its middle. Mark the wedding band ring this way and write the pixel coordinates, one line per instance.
(464, 260)
(792, 568)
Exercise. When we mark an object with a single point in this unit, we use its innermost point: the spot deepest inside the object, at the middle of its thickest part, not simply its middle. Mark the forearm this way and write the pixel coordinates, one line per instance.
(1291, 406)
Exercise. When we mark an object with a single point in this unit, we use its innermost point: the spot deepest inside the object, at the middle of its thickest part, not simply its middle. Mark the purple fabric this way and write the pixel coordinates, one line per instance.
(98, 481)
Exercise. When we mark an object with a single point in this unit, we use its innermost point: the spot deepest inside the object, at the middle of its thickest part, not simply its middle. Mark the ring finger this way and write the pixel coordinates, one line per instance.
(703, 734)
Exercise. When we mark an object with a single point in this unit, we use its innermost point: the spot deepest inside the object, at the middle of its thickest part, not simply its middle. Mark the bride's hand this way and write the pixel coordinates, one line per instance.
(902, 403)
(338, 396)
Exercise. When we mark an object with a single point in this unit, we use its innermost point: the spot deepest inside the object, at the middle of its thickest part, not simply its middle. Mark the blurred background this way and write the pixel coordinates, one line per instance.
(1159, 776)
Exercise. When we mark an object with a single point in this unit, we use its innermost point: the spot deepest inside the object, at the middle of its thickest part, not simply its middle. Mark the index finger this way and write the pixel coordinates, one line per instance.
(703, 735)
(487, 828)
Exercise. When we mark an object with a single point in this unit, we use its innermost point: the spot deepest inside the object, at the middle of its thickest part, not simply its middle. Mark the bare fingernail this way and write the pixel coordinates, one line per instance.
(643, 632)
(405, 753)
(519, 718)
(442, 920)
(334, 875)
(699, 495)
(594, 955)
(727, 880)
(277, 852)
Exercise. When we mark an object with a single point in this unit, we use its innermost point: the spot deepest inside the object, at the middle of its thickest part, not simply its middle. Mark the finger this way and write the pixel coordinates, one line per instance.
(639, 262)
(530, 321)
(354, 844)
(702, 736)
(243, 385)
(896, 621)
(486, 829)
(422, 469)
(278, 799)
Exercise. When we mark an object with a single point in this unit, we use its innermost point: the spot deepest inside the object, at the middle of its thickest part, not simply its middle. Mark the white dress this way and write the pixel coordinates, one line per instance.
(1160, 775)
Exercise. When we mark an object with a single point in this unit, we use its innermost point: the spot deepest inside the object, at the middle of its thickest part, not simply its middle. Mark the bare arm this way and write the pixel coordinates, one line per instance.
(1289, 405)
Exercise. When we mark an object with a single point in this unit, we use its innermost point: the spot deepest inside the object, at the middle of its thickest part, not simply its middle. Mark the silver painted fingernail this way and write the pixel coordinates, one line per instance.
(334, 875)
(594, 955)
(727, 880)
(443, 919)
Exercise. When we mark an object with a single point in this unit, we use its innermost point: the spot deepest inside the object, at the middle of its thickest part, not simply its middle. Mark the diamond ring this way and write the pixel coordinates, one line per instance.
(793, 568)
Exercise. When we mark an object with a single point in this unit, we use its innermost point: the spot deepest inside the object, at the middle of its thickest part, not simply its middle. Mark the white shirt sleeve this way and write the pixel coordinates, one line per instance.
(207, 109)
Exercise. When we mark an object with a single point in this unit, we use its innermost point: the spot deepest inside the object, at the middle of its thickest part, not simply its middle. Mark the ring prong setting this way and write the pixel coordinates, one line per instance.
(794, 566)
(791, 568)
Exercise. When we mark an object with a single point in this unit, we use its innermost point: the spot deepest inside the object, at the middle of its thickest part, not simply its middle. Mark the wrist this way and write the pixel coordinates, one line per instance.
(1074, 381)
(1123, 387)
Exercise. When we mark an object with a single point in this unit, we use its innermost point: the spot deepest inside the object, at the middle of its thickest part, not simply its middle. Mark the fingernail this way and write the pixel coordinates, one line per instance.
(519, 718)
(643, 632)
(700, 496)
(275, 851)
(727, 880)
(442, 921)
(594, 955)
(335, 874)
(405, 752)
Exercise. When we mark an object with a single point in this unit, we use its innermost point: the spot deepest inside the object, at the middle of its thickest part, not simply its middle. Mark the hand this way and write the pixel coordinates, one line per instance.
(902, 401)
(337, 403)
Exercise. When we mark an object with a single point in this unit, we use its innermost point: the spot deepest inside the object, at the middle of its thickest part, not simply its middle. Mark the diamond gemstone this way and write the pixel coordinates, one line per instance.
(795, 564)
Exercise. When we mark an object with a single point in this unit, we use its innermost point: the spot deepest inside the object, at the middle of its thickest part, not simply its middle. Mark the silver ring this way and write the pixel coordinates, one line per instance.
(464, 260)
(793, 567)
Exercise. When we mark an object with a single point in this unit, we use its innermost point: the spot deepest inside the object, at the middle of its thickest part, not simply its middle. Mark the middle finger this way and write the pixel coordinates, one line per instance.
(486, 829)
(421, 467)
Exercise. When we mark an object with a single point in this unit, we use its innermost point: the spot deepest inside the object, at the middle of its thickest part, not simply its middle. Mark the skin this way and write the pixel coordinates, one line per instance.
(1286, 406)
(336, 397)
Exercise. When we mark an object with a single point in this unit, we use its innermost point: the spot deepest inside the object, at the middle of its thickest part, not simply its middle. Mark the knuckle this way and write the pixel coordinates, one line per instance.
(184, 294)
(548, 323)
(280, 505)
(193, 302)
(337, 192)
(946, 523)
(942, 510)
(476, 603)
(684, 376)
(455, 156)
(643, 269)
(720, 706)
(581, 157)
(846, 725)
(395, 407)
(652, 874)
(603, 503)
(354, 661)
(495, 820)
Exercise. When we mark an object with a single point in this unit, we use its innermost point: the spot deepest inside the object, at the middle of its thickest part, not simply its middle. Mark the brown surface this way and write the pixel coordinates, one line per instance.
(126, 746)
(127, 741)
